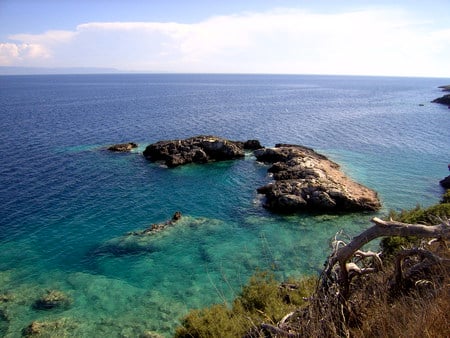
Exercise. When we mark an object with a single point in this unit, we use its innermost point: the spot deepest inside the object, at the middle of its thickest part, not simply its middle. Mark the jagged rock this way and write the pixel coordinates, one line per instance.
(445, 88)
(123, 147)
(53, 299)
(445, 183)
(252, 145)
(157, 227)
(443, 100)
(198, 149)
(308, 181)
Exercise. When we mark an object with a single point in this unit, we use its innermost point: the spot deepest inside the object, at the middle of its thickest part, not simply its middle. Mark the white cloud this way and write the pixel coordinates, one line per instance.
(13, 54)
(48, 38)
(378, 42)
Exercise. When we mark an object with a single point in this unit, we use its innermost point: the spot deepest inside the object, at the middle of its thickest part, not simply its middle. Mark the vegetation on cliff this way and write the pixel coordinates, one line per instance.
(403, 290)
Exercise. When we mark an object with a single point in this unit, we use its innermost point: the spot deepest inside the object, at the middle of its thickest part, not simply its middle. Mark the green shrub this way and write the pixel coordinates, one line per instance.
(263, 299)
(215, 321)
(418, 215)
(446, 197)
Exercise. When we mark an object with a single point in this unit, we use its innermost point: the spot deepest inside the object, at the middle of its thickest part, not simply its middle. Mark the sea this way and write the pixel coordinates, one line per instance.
(67, 205)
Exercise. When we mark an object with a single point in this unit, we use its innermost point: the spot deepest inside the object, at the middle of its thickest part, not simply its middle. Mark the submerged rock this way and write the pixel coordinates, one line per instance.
(308, 181)
(58, 328)
(53, 299)
(123, 147)
(198, 149)
(147, 240)
(157, 227)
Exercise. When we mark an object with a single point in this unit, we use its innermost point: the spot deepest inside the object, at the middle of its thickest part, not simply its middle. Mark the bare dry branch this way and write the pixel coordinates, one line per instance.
(342, 254)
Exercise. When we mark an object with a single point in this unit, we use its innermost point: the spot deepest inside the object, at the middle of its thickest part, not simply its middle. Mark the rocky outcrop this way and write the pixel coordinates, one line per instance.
(445, 183)
(146, 241)
(136, 242)
(157, 227)
(308, 181)
(123, 147)
(198, 149)
(252, 145)
(445, 88)
(443, 100)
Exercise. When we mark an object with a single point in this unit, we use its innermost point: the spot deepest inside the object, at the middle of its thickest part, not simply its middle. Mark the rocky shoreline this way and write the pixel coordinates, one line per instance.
(444, 99)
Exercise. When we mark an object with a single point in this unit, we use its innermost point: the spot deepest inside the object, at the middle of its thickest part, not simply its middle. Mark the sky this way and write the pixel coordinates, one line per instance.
(381, 38)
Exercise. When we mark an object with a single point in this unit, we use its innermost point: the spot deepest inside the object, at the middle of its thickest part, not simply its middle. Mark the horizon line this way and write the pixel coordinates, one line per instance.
(29, 71)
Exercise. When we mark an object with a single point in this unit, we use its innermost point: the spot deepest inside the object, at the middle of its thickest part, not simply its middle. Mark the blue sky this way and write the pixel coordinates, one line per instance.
(402, 38)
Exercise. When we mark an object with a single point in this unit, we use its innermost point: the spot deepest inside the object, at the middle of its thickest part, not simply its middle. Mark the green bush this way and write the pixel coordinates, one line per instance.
(431, 215)
(446, 197)
(215, 321)
(263, 299)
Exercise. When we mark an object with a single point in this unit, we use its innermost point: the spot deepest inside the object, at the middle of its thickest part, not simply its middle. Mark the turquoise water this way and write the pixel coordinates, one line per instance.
(67, 203)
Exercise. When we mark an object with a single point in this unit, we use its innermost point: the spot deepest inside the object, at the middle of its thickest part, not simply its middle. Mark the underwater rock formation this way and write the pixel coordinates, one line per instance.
(53, 299)
(58, 328)
(308, 181)
(142, 241)
(157, 227)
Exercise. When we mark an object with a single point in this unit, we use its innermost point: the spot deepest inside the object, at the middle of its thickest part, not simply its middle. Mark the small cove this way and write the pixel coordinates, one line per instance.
(63, 197)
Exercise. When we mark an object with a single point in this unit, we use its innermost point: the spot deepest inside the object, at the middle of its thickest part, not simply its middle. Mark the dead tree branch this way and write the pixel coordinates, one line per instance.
(344, 253)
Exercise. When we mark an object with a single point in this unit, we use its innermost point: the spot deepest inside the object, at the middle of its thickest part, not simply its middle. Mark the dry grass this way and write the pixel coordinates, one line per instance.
(420, 310)
(410, 316)
(379, 308)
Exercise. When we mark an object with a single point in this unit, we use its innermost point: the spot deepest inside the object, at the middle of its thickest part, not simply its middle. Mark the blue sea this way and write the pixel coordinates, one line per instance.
(67, 203)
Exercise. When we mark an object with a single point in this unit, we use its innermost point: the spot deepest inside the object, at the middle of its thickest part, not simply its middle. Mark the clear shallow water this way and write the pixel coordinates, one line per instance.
(63, 197)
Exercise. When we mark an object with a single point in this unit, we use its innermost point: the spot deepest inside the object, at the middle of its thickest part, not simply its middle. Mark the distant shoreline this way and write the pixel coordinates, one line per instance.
(56, 71)
(12, 71)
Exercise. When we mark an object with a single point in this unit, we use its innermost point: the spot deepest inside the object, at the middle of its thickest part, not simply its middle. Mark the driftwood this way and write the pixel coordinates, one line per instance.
(343, 253)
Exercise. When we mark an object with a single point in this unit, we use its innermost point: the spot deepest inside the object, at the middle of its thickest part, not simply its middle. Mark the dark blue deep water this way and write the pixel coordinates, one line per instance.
(65, 201)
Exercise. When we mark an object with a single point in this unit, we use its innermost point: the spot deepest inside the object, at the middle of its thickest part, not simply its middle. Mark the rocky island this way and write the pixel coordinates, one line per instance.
(304, 179)
(122, 147)
(198, 149)
(308, 181)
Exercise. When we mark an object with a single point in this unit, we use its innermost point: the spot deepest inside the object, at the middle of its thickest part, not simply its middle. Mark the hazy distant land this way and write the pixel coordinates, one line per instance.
(4, 70)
